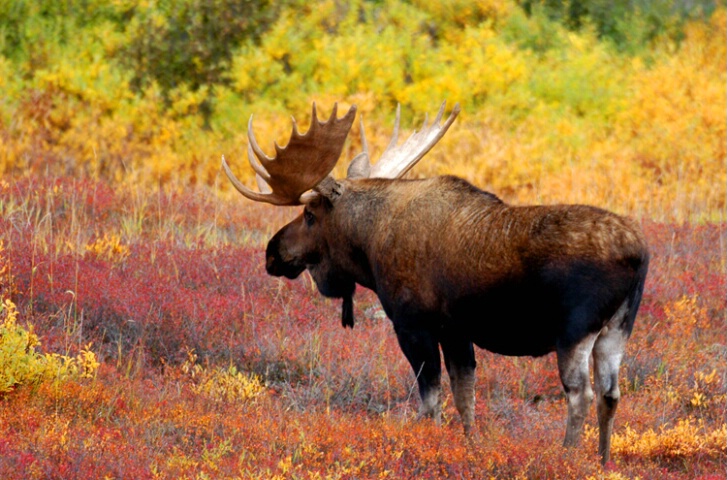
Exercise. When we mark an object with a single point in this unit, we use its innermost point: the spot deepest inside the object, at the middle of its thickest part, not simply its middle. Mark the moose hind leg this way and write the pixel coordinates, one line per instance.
(422, 350)
(607, 354)
(574, 374)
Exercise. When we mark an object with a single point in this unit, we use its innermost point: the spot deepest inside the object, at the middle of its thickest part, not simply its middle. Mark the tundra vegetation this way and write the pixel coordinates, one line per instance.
(140, 334)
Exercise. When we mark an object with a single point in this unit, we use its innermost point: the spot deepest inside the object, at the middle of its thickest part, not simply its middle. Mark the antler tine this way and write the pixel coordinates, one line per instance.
(256, 196)
(395, 135)
(301, 165)
(252, 143)
(425, 123)
(440, 114)
(262, 185)
(397, 160)
(314, 123)
(255, 164)
(295, 127)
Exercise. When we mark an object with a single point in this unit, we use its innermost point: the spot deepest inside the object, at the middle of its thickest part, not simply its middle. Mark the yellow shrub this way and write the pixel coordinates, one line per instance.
(109, 248)
(683, 317)
(675, 126)
(221, 384)
(687, 437)
(20, 364)
(228, 384)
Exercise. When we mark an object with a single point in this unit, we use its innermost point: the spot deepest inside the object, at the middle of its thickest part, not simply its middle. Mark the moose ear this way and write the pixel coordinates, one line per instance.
(360, 166)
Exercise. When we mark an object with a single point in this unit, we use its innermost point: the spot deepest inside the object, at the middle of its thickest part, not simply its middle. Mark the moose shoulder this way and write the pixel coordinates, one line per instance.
(454, 266)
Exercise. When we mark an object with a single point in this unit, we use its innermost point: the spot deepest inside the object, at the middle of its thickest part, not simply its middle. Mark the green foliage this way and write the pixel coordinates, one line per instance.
(189, 43)
(630, 24)
(176, 44)
(31, 31)
(585, 79)
(393, 54)
(534, 31)
(303, 51)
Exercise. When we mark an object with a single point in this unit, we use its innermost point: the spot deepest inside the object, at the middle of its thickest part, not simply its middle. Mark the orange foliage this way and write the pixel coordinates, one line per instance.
(276, 389)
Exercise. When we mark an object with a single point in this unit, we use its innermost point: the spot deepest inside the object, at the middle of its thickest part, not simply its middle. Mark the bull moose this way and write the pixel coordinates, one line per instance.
(454, 266)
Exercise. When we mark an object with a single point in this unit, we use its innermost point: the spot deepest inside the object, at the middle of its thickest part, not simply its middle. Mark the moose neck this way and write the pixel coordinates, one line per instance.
(361, 223)
(352, 224)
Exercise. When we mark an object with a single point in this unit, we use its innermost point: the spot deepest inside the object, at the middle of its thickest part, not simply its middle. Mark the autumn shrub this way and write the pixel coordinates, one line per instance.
(675, 121)
(109, 248)
(221, 384)
(689, 437)
(188, 42)
(22, 365)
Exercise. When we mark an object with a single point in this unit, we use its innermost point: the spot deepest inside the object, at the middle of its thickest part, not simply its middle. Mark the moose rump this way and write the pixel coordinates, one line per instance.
(454, 266)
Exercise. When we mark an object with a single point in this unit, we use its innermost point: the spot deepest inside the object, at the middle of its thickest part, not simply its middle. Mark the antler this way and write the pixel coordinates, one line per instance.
(298, 167)
(397, 160)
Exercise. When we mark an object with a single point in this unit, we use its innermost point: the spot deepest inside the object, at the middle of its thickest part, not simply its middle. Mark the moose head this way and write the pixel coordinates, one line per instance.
(299, 174)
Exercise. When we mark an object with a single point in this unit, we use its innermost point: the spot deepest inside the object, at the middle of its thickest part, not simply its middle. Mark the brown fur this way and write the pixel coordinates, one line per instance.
(413, 228)
(564, 278)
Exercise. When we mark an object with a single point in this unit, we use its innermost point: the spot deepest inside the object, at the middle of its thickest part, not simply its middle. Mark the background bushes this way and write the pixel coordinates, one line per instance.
(562, 101)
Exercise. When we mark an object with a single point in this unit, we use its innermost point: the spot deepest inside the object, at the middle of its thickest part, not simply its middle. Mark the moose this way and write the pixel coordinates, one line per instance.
(454, 266)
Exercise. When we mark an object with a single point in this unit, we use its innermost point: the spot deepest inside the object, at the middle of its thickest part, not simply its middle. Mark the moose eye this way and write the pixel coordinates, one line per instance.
(309, 218)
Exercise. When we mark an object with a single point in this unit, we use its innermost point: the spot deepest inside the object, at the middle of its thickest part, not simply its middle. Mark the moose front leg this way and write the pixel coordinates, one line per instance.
(459, 358)
(422, 350)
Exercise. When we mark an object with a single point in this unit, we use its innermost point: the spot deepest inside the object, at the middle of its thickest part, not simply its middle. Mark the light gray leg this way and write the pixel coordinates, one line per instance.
(607, 354)
(574, 374)
(431, 406)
